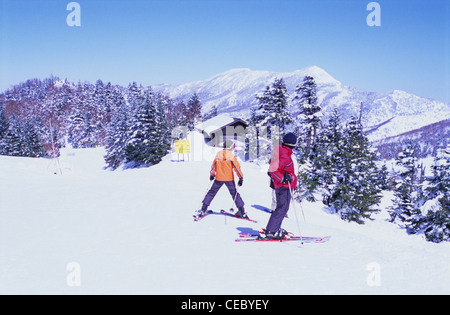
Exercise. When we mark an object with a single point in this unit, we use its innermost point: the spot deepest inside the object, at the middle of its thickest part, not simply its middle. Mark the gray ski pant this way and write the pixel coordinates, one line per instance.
(283, 196)
(231, 188)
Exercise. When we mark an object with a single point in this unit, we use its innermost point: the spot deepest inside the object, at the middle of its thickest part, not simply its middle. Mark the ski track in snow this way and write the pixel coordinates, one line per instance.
(132, 231)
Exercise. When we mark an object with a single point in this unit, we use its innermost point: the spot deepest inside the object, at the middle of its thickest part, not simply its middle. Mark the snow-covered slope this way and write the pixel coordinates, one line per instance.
(131, 231)
(234, 92)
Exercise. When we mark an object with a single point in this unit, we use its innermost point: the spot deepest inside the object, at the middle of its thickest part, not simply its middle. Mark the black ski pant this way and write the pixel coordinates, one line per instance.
(231, 188)
(283, 196)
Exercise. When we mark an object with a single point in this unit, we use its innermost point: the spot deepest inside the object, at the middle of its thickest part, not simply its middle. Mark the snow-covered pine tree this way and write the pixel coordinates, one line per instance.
(329, 163)
(4, 126)
(406, 204)
(110, 98)
(76, 127)
(100, 96)
(32, 138)
(163, 128)
(356, 193)
(82, 123)
(383, 178)
(117, 134)
(436, 223)
(310, 112)
(14, 140)
(89, 133)
(143, 143)
(212, 113)
(194, 111)
(99, 114)
(320, 170)
(273, 106)
(81, 130)
(23, 138)
(252, 135)
(180, 115)
(439, 182)
(271, 116)
(135, 95)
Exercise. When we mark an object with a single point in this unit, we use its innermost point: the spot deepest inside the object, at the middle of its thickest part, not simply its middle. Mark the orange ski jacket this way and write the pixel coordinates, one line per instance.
(223, 166)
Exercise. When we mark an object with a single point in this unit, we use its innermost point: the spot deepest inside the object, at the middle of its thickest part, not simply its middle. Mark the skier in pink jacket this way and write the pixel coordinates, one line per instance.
(282, 171)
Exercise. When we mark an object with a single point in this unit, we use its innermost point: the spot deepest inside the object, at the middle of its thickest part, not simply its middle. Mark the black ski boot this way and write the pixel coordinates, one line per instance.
(203, 210)
(281, 234)
(241, 213)
(265, 234)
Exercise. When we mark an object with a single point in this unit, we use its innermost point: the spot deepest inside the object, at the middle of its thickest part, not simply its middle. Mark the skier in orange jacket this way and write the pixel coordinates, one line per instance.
(222, 172)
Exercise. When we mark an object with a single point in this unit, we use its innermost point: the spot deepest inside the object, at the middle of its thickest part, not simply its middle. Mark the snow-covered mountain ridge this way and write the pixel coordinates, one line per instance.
(385, 114)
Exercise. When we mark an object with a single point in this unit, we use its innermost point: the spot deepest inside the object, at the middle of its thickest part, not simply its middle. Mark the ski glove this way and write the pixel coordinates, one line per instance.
(287, 178)
(211, 177)
(241, 181)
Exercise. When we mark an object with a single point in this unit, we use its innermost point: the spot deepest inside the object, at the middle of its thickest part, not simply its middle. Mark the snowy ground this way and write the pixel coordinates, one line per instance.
(131, 231)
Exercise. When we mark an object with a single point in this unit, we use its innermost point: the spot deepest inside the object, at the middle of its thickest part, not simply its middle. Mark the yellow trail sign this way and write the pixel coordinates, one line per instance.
(182, 146)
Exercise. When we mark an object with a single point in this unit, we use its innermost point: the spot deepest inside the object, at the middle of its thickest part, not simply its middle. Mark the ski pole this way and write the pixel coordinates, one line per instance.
(234, 199)
(295, 211)
(207, 189)
(303, 213)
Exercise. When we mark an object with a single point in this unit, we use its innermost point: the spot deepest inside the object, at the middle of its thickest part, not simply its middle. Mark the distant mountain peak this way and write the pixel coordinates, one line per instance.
(386, 114)
(319, 74)
(236, 70)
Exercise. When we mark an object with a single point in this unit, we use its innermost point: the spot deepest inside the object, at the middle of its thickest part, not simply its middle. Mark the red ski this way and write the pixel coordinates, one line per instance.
(303, 239)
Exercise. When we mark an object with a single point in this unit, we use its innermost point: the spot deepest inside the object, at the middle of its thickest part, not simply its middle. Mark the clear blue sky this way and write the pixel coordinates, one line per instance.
(175, 41)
